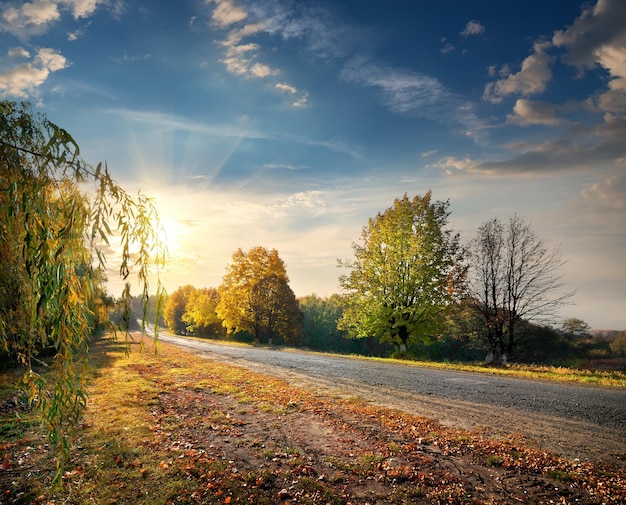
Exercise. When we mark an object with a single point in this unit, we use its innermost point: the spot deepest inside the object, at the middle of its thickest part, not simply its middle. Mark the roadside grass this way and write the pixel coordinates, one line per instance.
(180, 429)
(613, 378)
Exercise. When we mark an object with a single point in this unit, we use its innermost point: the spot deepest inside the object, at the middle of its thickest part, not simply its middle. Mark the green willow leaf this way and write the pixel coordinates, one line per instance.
(52, 257)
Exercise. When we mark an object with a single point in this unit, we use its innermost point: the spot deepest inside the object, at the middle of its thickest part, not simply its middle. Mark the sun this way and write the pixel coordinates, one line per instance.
(169, 234)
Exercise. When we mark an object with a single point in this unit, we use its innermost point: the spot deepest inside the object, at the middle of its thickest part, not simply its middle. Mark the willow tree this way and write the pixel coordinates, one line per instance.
(53, 234)
(405, 272)
(255, 297)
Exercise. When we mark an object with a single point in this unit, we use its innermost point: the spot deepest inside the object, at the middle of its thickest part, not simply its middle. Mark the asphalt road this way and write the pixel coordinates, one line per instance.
(599, 406)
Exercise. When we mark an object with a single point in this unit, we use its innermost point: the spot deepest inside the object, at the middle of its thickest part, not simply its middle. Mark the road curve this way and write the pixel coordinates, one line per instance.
(588, 422)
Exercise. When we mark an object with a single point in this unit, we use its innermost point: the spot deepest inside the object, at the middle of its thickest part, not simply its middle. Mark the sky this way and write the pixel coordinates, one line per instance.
(288, 124)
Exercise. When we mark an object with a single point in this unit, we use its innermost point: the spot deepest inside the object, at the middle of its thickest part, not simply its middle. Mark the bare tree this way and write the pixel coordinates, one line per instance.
(513, 277)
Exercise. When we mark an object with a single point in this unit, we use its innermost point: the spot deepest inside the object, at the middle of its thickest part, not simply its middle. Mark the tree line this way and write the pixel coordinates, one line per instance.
(412, 290)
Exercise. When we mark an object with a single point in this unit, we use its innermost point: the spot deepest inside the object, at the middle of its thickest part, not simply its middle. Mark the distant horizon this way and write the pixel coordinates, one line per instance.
(289, 124)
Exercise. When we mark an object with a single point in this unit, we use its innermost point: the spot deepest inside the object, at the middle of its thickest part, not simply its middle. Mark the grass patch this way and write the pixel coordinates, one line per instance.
(613, 378)
(313, 491)
(494, 460)
(560, 475)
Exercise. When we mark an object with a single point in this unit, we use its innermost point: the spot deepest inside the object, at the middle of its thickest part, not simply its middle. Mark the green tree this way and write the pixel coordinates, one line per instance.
(175, 308)
(618, 345)
(321, 316)
(201, 315)
(404, 274)
(460, 338)
(52, 242)
(276, 309)
(255, 297)
(513, 279)
(576, 329)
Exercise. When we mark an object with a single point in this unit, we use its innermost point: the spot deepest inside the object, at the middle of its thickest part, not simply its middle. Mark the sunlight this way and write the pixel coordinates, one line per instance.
(169, 234)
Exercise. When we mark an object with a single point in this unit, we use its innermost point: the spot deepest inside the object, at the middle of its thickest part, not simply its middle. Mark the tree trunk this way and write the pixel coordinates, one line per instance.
(403, 334)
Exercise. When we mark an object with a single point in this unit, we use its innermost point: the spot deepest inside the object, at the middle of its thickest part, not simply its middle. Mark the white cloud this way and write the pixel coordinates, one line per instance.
(532, 78)
(236, 66)
(305, 199)
(405, 91)
(169, 122)
(600, 146)
(613, 58)
(608, 194)
(261, 71)
(286, 88)
(127, 58)
(28, 18)
(239, 57)
(451, 165)
(236, 35)
(82, 8)
(51, 59)
(598, 38)
(22, 80)
(237, 62)
(448, 48)
(528, 112)
(282, 166)
(473, 28)
(241, 49)
(226, 12)
(18, 52)
(303, 101)
(323, 33)
(79, 32)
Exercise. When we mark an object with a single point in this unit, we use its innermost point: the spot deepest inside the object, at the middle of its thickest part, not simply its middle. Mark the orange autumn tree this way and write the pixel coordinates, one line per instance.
(255, 297)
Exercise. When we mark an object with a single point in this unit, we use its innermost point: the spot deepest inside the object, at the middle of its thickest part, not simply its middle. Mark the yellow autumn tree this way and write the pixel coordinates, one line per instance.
(255, 297)
(201, 315)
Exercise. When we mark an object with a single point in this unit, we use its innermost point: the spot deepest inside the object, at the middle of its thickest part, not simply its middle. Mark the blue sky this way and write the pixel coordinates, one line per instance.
(288, 124)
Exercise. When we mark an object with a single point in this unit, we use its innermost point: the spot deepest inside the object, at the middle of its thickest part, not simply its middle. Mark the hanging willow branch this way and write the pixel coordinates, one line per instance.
(53, 238)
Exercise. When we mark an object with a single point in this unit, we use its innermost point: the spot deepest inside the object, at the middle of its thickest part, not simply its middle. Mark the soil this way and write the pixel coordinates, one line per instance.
(569, 438)
(353, 456)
